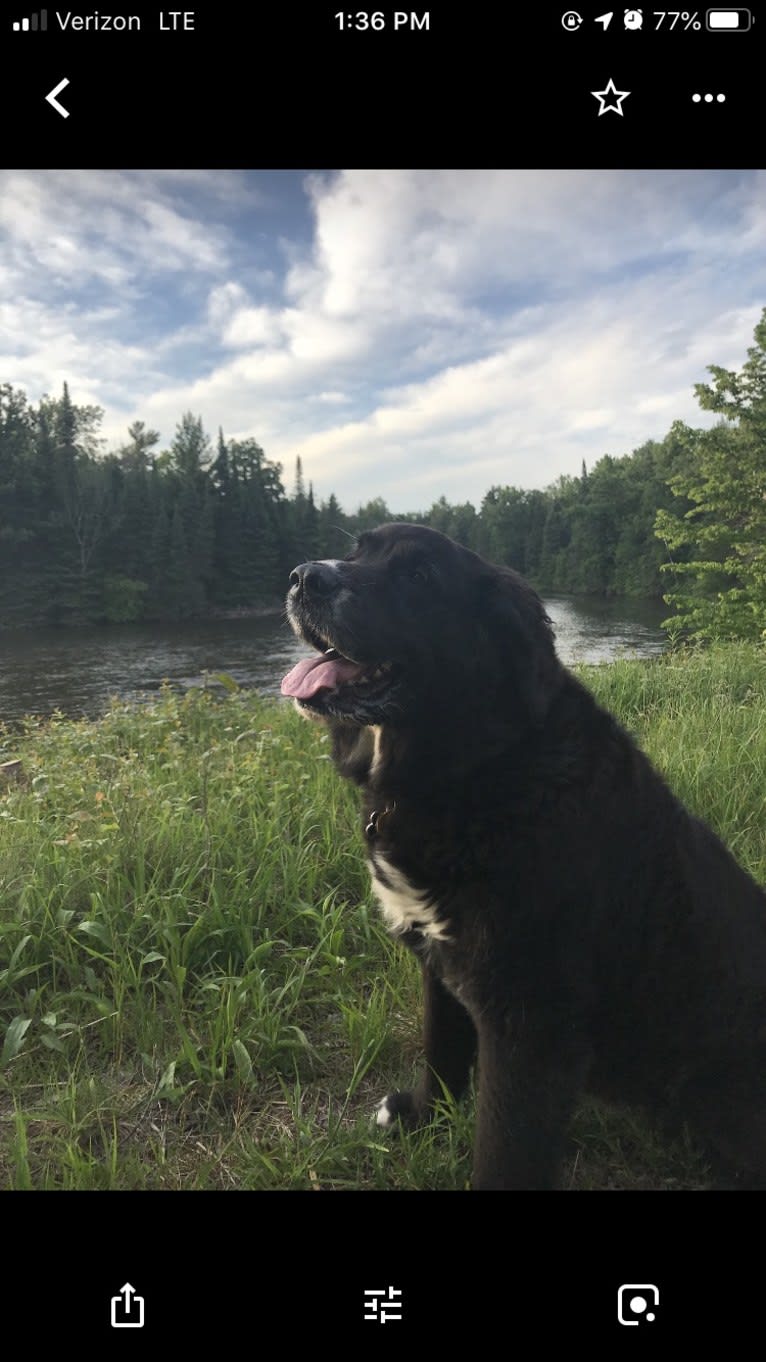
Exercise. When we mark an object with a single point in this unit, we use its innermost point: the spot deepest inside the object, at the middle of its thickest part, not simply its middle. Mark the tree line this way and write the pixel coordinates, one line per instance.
(201, 527)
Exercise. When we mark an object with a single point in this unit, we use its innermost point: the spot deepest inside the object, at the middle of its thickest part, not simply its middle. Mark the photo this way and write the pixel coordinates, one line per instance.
(382, 681)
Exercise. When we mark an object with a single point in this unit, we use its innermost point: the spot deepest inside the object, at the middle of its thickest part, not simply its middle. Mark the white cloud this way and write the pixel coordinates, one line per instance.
(251, 326)
(417, 332)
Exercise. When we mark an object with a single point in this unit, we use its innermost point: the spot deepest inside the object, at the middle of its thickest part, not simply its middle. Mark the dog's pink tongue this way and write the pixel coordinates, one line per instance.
(318, 673)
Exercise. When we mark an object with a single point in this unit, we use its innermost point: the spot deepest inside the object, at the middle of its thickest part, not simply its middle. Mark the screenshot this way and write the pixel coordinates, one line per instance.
(382, 674)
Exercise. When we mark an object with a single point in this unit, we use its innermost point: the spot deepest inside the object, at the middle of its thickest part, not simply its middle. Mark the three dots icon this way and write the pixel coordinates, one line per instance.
(708, 99)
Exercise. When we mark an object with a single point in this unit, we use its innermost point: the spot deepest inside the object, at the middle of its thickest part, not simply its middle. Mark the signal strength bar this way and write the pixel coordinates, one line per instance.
(32, 24)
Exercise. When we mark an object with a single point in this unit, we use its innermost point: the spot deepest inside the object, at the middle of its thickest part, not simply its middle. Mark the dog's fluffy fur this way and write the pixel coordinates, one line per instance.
(577, 928)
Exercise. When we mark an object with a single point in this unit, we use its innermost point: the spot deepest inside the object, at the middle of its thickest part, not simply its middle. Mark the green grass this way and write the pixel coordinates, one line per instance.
(195, 988)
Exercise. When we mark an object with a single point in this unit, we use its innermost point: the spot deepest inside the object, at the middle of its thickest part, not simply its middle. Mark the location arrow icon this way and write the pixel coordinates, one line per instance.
(52, 100)
(605, 19)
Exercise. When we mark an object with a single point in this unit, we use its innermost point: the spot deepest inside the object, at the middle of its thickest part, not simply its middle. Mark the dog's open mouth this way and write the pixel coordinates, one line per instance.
(314, 680)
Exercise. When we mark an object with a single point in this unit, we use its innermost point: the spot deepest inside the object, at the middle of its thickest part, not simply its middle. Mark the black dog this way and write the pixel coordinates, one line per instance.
(576, 926)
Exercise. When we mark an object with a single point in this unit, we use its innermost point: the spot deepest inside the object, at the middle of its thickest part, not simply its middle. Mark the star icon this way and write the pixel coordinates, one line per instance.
(610, 99)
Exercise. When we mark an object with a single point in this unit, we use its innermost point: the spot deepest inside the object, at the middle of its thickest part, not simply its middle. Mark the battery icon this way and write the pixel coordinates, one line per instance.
(729, 20)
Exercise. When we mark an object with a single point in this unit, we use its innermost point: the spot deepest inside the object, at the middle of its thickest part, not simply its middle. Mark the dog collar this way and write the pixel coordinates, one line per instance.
(376, 820)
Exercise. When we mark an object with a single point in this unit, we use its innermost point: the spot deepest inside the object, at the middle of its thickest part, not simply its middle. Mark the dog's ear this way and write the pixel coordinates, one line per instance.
(518, 632)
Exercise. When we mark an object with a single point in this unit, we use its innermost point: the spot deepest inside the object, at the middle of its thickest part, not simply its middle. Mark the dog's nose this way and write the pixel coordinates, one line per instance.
(315, 579)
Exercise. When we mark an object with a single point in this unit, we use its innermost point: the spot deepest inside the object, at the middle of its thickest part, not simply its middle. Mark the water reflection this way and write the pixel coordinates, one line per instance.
(590, 629)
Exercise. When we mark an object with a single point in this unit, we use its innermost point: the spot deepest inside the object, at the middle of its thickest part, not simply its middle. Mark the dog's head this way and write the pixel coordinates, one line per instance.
(411, 625)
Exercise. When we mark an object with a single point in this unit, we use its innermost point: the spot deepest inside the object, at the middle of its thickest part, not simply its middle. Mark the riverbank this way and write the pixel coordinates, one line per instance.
(198, 992)
(239, 612)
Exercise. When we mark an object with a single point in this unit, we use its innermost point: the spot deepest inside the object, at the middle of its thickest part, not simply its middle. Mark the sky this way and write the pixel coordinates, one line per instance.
(409, 333)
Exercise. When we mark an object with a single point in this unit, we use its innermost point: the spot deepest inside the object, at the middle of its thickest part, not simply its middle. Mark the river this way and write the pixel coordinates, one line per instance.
(77, 670)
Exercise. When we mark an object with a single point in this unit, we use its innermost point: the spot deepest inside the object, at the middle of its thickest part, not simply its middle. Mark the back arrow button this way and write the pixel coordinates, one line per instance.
(52, 100)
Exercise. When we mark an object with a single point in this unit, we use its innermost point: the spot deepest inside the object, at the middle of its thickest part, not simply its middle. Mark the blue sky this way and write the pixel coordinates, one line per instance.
(408, 333)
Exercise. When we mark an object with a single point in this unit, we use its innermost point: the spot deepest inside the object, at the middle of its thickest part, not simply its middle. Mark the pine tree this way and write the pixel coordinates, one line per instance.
(77, 518)
(303, 523)
(135, 456)
(18, 504)
(183, 590)
(299, 495)
(374, 513)
(190, 450)
(334, 536)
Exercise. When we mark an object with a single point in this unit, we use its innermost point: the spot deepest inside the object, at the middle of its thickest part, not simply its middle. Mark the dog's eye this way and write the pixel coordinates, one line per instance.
(419, 573)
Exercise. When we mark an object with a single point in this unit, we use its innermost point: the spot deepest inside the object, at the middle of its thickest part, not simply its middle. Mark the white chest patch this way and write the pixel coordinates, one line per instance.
(404, 907)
